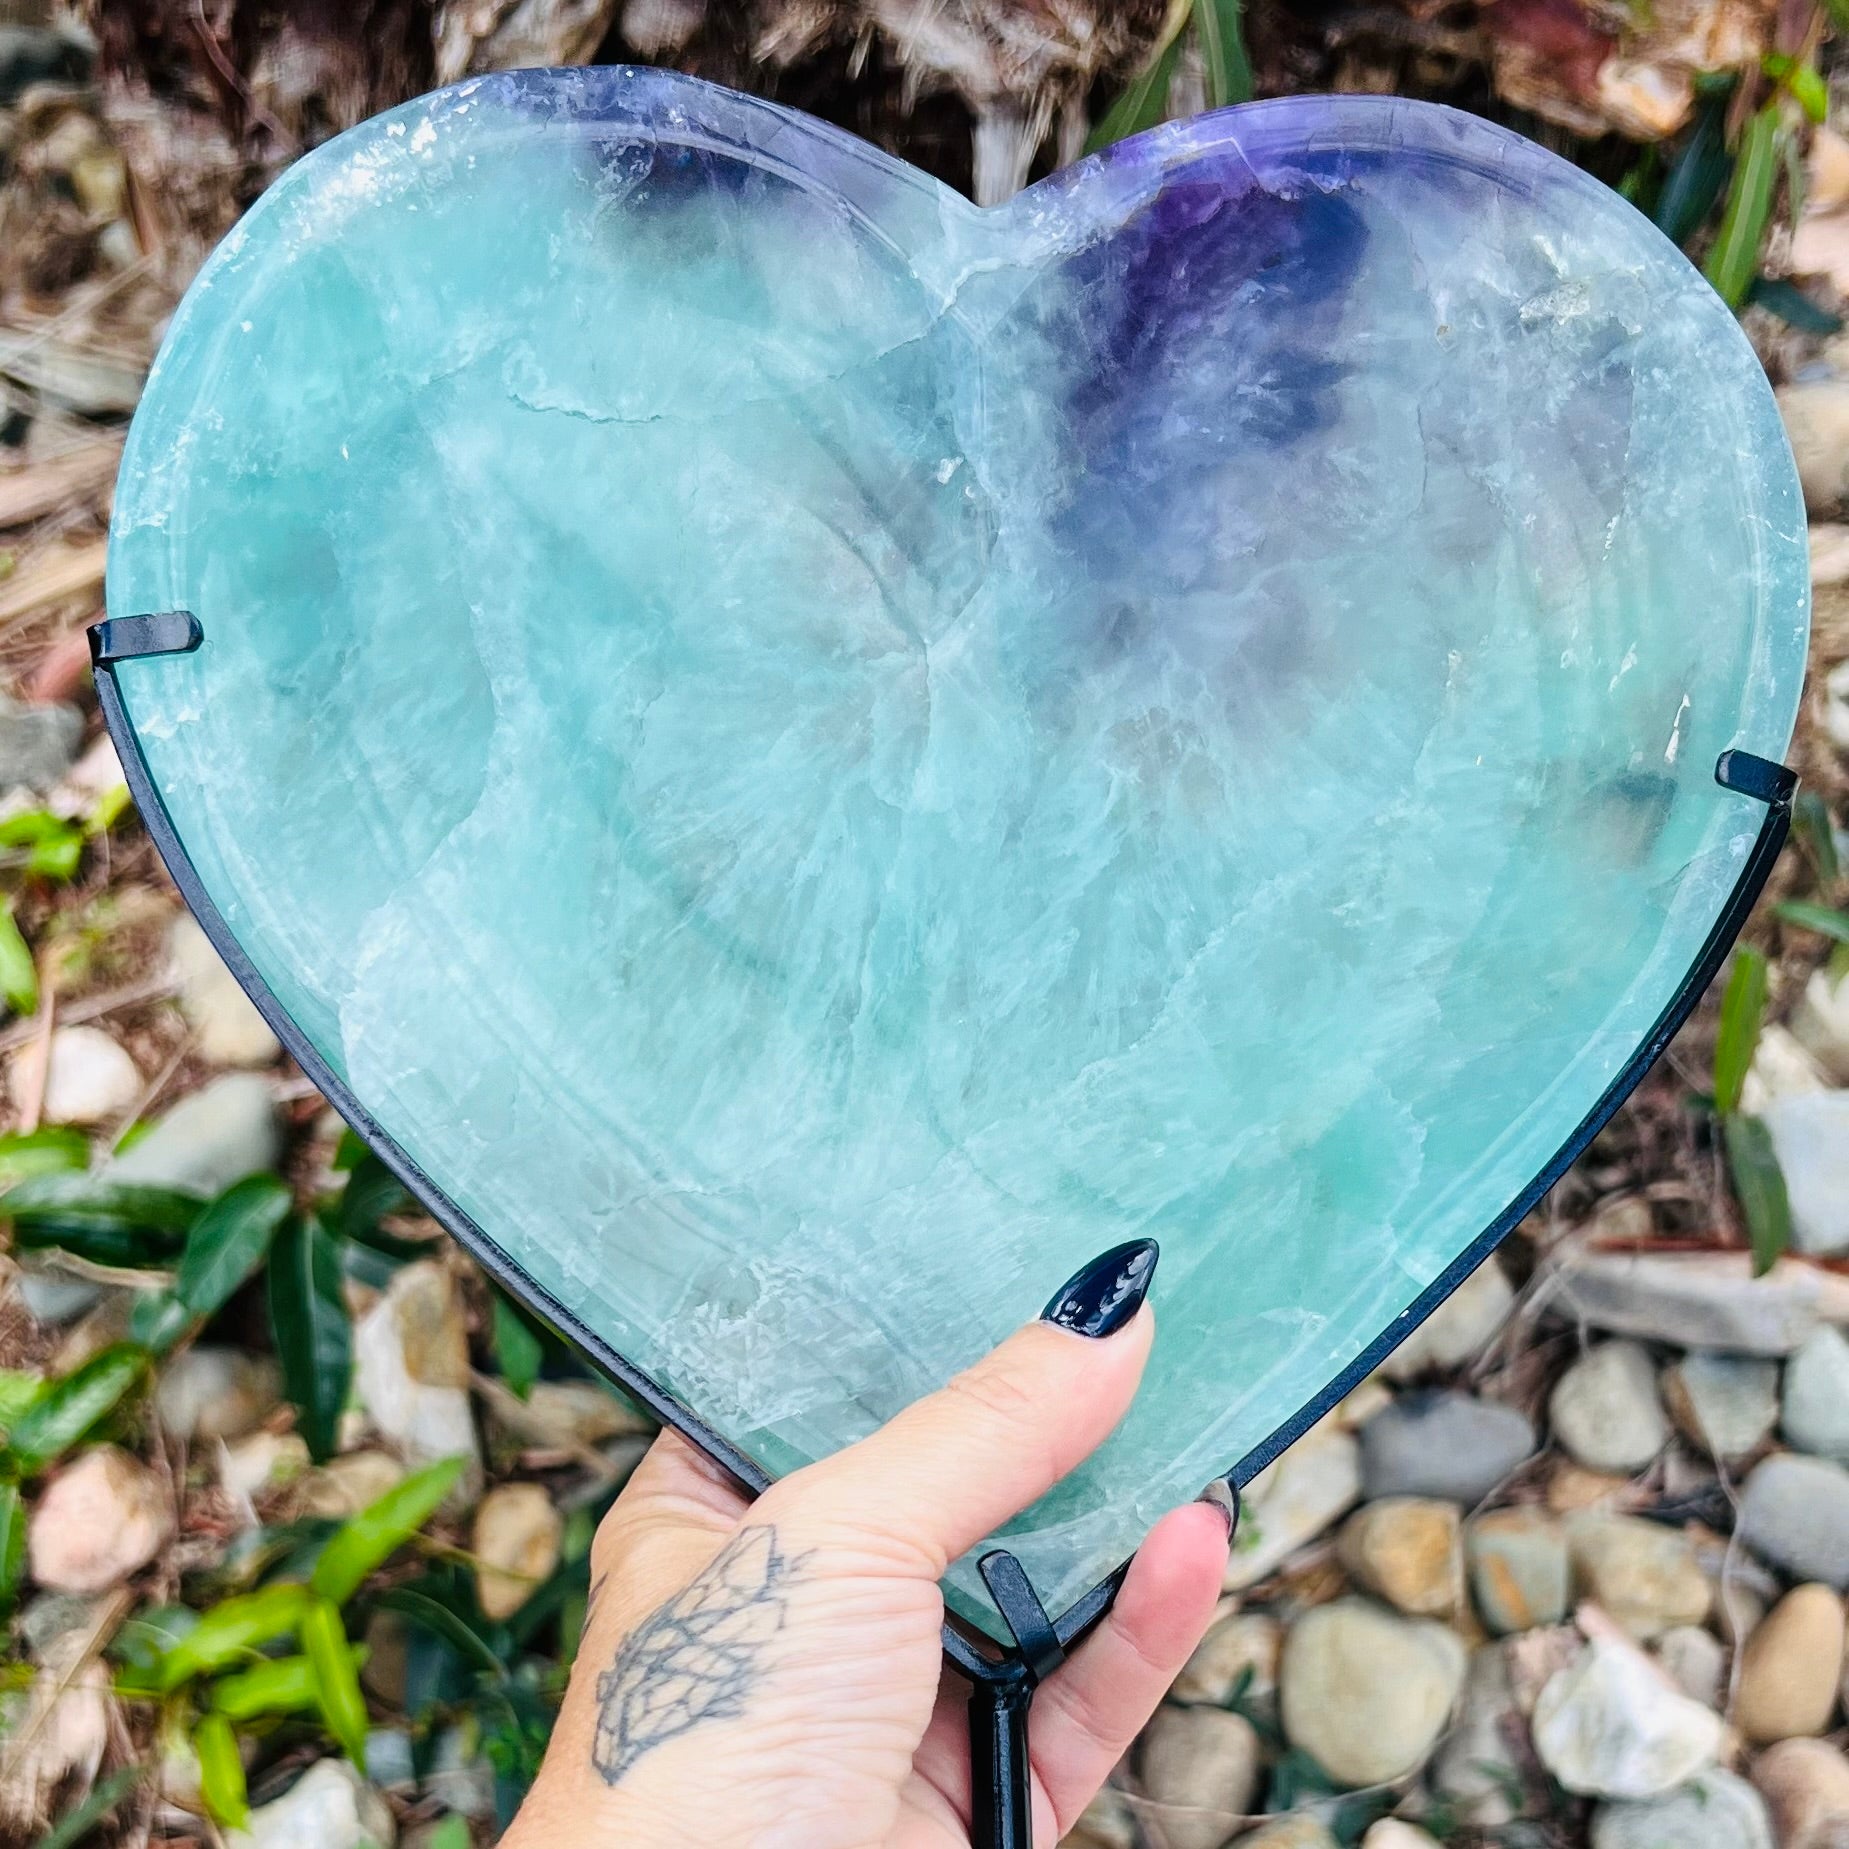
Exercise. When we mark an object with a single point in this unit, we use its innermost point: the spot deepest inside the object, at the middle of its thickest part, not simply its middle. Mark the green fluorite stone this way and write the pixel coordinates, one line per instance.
(817, 756)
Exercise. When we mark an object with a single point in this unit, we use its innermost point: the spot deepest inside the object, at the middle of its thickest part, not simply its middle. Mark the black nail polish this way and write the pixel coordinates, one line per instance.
(1223, 1497)
(1099, 1298)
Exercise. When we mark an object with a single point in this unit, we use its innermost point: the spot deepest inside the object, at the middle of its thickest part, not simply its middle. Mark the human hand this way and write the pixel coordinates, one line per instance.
(770, 1673)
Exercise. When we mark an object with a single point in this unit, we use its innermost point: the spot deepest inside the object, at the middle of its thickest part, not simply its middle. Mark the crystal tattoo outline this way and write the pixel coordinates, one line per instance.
(698, 1657)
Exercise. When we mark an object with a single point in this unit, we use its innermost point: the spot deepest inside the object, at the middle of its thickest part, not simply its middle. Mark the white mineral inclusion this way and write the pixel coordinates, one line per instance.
(818, 756)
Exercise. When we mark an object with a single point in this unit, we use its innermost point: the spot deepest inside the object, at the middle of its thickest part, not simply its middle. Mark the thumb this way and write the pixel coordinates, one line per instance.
(956, 1465)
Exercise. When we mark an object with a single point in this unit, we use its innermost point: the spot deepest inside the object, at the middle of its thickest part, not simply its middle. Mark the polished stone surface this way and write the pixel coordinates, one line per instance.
(819, 756)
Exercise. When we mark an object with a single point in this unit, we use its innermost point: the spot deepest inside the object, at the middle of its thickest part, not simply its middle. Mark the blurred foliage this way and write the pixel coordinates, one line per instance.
(262, 1653)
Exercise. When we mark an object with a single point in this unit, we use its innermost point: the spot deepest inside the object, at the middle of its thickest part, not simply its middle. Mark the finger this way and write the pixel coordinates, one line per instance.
(956, 1465)
(1086, 1714)
(672, 1516)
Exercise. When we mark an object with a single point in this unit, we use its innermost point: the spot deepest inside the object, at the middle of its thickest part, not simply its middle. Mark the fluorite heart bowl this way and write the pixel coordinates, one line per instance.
(805, 757)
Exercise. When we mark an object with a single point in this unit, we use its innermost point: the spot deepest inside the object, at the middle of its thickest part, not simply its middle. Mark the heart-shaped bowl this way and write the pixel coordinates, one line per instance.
(804, 757)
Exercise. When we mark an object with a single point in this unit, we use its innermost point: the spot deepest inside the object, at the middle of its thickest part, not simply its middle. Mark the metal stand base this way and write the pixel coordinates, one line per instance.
(1001, 1795)
(1001, 1803)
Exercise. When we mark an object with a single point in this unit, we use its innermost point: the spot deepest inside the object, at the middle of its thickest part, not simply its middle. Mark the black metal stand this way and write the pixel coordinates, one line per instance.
(1001, 1802)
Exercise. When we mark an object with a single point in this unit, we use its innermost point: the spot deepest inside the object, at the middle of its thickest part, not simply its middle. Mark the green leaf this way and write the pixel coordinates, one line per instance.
(29, 827)
(1145, 102)
(54, 1150)
(1743, 1006)
(372, 1192)
(12, 1545)
(58, 856)
(516, 1346)
(442, 1622)
(69, 1409)
(108, 1223)
(1760, 1184)
(19, 976)
(337, 1683)
(279, 1685)
(1223, 51)
(1734, 260)
(309, 1324)
(1816, 833)
(1700, 171)
(1825, 920)
(379, 1530)
(143, 1643)
(1801, 80)
(232, 1630)
(19, 1387)
(221, 1772)
(158, 1320)
(81, 1819)
(1793, 307)
(448, 1832)
(108, 809)
(229, 1240)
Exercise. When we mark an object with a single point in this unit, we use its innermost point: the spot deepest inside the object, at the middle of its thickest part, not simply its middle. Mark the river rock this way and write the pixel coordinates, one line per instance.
(346, 1484)
(1442, 1444)
(1714, 1810)
(1300, 1830)
(1611, 1725)
(1107, 1822)
(1606, 1410)
(515, 1544)
(411, 1367)
(1805, 1784)
(1240, 1651)
(1795, 1513)
(89, 1078)
(460, 1777)
(1815, 1413)
(104, 1516)
(1292, 1501)
(1478, 1770)
(1791, 1667)
(1645, 1576)
(1459, 1329)
(1692, 1299)
(54, 1297)
(38, 744)
(1836, 712)
(329, 1807)
(1201, 1767)
(1519, 1568)
(221, 1133)
(1406, 1549)
(1810, 1135)
(1695, 1661)
(1397, 1833)
(585, 1413)
(1782, 1066)
(1365, 1692)
(253, 1466)
(1820, 1023)
(1816, 414)
(1572, 1489)
(207, 1393)
(1725, 1405)
(227, 1029)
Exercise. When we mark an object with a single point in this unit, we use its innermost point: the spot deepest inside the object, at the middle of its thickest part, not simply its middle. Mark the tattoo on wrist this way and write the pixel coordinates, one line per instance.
(698, 1657)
